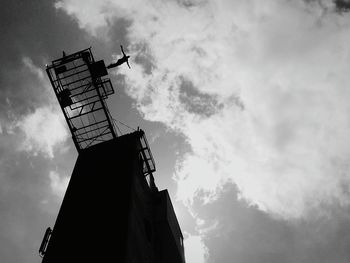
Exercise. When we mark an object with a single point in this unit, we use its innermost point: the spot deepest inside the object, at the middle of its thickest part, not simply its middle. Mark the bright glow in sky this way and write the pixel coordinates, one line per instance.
(43, 130)
(195, 251)
(58, 184)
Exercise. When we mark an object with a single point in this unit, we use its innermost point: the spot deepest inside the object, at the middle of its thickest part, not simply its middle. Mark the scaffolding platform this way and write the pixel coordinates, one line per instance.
(81, 87)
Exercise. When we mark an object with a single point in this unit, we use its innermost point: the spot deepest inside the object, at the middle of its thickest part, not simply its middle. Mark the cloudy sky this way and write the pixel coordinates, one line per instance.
(245, 104)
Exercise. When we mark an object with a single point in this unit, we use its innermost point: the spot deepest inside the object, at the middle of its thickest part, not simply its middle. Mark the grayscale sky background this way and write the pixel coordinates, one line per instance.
(245, 104)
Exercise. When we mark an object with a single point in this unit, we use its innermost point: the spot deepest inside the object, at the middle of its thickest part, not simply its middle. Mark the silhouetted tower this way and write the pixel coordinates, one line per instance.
(112, 210)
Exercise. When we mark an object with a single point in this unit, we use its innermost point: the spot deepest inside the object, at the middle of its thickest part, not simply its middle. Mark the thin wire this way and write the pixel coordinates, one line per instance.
(117, 127)
(124, 124)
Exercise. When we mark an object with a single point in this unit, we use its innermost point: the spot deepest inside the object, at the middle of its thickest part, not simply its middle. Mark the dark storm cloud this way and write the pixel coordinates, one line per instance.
(32, 29)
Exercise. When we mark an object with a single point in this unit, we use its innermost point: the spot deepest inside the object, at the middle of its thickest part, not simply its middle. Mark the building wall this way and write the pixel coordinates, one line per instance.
(109, 212)
(169, 239)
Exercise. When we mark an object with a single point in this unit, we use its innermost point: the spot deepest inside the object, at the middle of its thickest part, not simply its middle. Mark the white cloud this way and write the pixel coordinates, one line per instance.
(92, 16)
(43, 130)
(259, 89)
(28, 63)
(58, 183)
(195, 249)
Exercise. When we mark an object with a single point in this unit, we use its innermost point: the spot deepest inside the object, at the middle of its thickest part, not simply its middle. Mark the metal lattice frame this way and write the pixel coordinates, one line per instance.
(81, 91)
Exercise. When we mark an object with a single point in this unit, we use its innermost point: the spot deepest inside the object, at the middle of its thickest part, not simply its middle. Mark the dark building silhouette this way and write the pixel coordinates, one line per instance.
(112, 210)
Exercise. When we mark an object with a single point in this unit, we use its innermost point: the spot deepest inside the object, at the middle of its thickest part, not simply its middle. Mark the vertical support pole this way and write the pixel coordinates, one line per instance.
(104, 108)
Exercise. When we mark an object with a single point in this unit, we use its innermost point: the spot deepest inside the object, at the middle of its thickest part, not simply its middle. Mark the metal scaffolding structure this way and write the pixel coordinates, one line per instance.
(81, 89)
